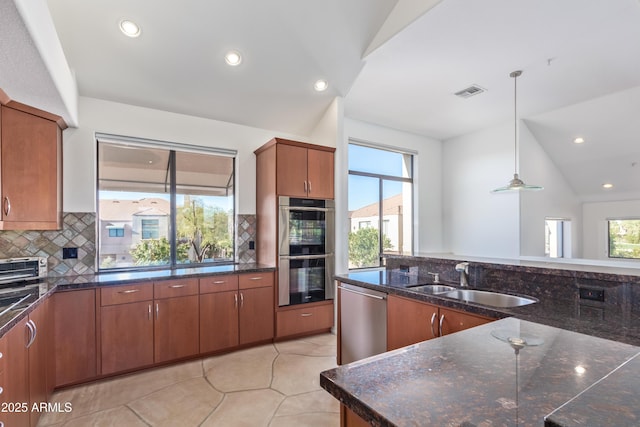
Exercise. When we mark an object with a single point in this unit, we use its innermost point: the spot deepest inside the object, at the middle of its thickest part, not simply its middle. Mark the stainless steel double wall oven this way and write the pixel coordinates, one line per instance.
(306, 250)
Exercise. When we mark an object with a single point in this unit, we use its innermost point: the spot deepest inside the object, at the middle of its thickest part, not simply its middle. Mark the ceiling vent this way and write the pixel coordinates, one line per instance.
(470, 91)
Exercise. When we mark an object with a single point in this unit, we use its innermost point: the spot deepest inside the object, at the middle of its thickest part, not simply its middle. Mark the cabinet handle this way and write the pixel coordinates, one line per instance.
(255, 278)
(441, 321)
(1, 390)
(32, 332)
(309, 187)
(176, 286)
(1, 355)
(219, 282)
(149, 314)
(235, 299)
(129, 291)
(305, 187)
(306, 314)
(7, 205)
(241, 300)
(157, 310)
(433, 319)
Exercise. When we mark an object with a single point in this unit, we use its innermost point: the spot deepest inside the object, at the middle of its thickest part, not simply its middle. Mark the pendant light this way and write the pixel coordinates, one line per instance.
(516, 184)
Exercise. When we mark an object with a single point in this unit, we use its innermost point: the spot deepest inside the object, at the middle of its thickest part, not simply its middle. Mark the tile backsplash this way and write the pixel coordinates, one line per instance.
(79, 231)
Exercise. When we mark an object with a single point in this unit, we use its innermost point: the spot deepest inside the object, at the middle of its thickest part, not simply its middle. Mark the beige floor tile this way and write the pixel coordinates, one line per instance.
(294, 374)
(323, 339)
(315, 401)
(306, 348)
(253, 408)
(186, 403)
(242, 370)
(115, 417)
(307, 420)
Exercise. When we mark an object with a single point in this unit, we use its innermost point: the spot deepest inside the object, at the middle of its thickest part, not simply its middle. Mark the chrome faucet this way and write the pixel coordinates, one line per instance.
(463, 268)
(436, 276)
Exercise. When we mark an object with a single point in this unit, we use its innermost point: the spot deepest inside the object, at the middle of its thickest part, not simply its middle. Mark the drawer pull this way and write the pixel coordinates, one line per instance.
(219, 282)
(129, 291)
(0, 355)
(176, 286)
(255, 278)
(306, 314)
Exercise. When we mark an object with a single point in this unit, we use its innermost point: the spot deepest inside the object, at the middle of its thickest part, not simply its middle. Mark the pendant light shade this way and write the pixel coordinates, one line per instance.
(516, 184)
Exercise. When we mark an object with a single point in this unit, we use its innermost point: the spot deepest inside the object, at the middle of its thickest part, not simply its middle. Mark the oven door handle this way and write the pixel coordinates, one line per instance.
(305, 208)
(306, 256)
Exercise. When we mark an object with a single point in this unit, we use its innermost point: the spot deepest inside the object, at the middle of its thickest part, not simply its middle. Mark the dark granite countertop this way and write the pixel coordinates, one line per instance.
(472, 378)
(54, 284)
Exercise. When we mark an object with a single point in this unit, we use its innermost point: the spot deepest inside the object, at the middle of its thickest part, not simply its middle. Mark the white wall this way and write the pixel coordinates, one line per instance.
(79, 155)
(595, 215)
(477, 222)
(427, 220)
(556, 200)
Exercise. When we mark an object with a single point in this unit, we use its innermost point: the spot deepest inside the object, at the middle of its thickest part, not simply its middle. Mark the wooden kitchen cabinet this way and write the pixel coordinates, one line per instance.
(411, 321)
(16, 374)
(304, 170)
(219, 321)
(30, 169)
(74, 322)
(176, 328)
(40, 360)
(257, 307)
(305, 319)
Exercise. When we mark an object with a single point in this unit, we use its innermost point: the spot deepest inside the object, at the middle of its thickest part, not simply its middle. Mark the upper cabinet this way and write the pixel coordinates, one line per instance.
(299, 169)
(30, 168)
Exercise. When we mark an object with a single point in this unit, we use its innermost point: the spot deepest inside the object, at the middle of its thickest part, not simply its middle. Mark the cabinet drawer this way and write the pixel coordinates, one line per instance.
(218, 284)
(126, 294)
(175, 288)
(301, 320)
(255, 280)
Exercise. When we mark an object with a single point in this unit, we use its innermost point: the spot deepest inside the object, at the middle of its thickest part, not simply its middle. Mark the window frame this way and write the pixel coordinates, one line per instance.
(609, 220)
(172, 148)
(381, 180)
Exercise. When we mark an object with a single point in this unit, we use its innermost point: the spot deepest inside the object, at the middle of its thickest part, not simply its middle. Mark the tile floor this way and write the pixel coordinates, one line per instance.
(275, 385)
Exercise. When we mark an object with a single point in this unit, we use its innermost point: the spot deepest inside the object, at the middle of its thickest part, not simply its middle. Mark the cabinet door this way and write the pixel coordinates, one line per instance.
(219, 320)
(409, 322)
(320, 174)
(256, 314)
(31, 171)
(74, 322)
(39, 358)
(454, 321)
(176, 328)
(16, 375)
(291, 171)
(126, 334)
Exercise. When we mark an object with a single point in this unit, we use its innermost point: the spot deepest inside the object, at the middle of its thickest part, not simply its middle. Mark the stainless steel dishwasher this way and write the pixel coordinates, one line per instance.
(363, 322)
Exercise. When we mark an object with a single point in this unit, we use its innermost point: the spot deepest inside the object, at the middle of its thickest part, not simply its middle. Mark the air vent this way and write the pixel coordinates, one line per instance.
(470, 91)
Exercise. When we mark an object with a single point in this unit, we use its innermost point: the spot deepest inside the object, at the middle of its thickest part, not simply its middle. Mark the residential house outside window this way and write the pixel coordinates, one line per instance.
(624, 238)
(380, 204)
(162, 204)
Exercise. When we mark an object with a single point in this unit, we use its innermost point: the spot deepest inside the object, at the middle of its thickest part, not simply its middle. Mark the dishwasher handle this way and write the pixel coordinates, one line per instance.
(362, 293)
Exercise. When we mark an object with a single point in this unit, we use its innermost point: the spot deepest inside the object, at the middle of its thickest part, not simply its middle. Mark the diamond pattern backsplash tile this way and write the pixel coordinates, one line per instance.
(78, 231)
(246, 225)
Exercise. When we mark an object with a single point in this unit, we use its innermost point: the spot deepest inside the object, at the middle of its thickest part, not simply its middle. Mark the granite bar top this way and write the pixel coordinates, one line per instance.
(54, 284)
(617, 320)
(476, 378)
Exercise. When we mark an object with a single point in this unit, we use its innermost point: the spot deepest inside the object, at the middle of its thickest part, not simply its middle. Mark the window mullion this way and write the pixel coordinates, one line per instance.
(172, 210)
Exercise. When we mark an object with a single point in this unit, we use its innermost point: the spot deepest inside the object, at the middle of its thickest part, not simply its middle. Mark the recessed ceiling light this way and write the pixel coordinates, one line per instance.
(233, 58)
(320, 85)
(130, 28)
(607, 185)
(578, 140)
(580, 369)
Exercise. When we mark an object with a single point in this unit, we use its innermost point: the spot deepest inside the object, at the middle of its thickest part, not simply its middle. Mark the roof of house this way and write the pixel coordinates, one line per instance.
(124, 210)
(390, 206)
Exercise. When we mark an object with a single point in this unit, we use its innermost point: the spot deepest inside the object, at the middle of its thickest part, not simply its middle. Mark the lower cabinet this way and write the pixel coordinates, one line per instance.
(310, 318)
(219, 322)
(176, 328)
(16, 386)
(410, 321)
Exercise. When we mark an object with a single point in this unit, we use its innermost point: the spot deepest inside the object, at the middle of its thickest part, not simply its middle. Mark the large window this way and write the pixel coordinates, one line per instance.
(380, 205)
(163, 205)
(624, 238)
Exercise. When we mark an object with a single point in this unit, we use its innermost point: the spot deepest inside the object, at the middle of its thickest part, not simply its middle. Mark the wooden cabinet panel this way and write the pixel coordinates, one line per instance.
(126, 333)
(320, 177)
(39, 360)
(291, 170)
(74, 321)
(348, 418)
(125, 294)
(218, 284)
(16, 383)
(219, 327)
(454, 321)
(176, 328)
(175, 288)
(256, 314)
(255, 280)
(31, 171)
(303, 320)
(409, 321)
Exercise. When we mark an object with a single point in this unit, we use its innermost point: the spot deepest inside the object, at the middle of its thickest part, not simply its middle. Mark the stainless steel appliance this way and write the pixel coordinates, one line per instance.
(20, 284)
(305, 259)
(363, 322)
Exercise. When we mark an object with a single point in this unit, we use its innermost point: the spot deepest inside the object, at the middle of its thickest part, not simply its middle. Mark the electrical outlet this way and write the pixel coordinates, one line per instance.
(69, 253)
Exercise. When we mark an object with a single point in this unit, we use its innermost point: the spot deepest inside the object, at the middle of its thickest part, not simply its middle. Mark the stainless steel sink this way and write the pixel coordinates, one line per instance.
(493, 299)
(433, 289)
